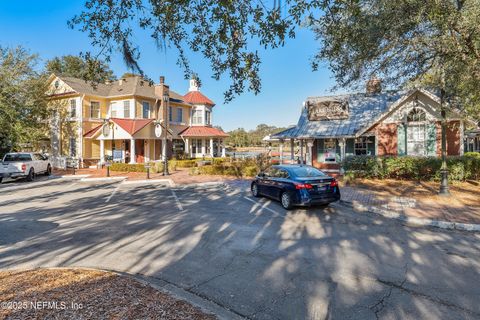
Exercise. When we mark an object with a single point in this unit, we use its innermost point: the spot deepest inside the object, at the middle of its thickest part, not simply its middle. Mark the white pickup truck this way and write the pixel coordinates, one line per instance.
(24, 165)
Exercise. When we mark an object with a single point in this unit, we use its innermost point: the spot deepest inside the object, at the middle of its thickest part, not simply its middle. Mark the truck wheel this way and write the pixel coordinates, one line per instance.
(49, 171)
(31, 175)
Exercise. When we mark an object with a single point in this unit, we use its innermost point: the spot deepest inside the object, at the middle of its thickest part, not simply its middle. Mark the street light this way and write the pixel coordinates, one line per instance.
(166, 99)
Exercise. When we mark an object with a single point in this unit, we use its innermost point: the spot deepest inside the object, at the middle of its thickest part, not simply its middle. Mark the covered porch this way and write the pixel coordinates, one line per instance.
(204, 142)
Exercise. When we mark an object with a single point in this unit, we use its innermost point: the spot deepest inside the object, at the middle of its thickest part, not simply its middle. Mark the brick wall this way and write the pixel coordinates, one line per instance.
(387, 139)
(453, 138)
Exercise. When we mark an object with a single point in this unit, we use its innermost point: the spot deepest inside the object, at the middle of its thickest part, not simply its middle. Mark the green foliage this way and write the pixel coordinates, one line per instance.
(23, 106)
(426, 41)
(241, 138)
(226, 33)
(412, 168)
(80, 67)
(238, 168)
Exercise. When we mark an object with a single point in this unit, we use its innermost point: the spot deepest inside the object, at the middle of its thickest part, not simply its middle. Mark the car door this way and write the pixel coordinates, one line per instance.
(278, 183)
(38, 163)
(264, 182)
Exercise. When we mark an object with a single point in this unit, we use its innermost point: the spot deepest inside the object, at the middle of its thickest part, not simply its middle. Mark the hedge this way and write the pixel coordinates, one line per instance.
(155, 167)
(414, 168)
(233, 169)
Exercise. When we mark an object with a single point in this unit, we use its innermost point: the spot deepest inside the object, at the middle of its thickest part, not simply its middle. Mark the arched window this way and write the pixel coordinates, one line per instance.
(416, 115)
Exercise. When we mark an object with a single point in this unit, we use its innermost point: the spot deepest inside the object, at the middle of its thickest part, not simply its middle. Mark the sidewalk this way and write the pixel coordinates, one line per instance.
(418, 200)
(179, 176)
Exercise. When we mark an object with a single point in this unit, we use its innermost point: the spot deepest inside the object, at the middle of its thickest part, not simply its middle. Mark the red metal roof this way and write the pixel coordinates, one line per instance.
(92, 132)
(198, 131)
(196, 97)
(132, 126)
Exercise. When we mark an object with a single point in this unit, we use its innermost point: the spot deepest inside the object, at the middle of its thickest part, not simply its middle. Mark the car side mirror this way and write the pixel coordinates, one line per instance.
(261, 175)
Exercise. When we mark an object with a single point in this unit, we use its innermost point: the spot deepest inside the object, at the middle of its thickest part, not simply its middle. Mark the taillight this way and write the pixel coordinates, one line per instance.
(24, 167)
(300, 186)
(334, 183)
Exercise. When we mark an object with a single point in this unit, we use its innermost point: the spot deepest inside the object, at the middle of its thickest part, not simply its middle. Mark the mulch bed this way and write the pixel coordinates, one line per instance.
(86, 294)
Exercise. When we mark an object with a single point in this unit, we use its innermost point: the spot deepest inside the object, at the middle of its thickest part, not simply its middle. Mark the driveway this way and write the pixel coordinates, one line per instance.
(244, 254)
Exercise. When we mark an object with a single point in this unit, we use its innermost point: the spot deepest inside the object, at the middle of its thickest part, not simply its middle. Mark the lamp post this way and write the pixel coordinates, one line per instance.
(444, 169)
(165, 100)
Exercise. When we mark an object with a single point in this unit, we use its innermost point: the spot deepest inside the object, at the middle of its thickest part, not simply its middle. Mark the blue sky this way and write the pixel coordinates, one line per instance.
(287, 79)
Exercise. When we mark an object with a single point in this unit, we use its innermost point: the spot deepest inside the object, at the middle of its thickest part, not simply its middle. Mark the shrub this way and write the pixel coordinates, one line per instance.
(414, 168)
(186, 163)
(250, 171)
(128, 167)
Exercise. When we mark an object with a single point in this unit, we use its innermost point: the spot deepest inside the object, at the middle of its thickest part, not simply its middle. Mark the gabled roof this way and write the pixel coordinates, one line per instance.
(199, 131)
(132, 126)
(196, 97)
(363, 109)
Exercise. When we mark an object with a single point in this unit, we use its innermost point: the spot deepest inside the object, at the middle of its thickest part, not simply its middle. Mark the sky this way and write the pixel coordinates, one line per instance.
(287, 78)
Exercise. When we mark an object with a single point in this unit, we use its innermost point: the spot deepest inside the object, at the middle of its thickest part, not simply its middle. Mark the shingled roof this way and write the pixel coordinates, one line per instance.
(136, 85)
(363, 110)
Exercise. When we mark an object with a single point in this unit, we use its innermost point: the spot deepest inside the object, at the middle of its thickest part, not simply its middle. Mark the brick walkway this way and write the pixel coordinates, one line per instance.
(451, 210)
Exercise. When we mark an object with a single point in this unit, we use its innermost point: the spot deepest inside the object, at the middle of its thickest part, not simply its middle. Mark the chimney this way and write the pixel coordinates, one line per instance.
(374, 86)
(162, 79)
(120, 81)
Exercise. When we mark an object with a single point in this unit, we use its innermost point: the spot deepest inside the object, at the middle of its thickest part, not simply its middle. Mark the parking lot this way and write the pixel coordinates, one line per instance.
(245, 254)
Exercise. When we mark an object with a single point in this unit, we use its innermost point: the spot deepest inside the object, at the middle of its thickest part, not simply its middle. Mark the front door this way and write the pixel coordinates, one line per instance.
(140, 151)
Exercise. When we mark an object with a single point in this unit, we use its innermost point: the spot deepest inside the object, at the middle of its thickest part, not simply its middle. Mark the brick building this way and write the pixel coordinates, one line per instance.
(390, 123)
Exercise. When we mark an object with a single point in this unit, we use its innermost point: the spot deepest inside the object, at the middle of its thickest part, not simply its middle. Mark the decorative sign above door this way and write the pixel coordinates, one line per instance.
(327, 110)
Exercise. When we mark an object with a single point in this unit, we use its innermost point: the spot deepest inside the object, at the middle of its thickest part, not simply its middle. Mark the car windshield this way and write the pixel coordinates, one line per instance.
(17, 157)
(307, 172)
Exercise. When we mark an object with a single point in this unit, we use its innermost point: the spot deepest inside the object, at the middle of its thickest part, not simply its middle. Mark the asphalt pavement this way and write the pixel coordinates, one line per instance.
(246, 255)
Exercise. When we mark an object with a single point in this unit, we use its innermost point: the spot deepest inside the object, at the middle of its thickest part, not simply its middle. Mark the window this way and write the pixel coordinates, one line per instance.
(364, 146)
(95, 110)
(207, 117)
(179, 114)
(170, 114)
(330, 150)
(307, 172)
(15, 157)
(73, 147)
(73, 108)
(126, 109)
(197, 117)
(146, 110)
(416, 140)
(416, 115)
(113, 110)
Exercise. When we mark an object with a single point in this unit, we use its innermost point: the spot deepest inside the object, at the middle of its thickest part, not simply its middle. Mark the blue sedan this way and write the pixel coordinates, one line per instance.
(296, 185)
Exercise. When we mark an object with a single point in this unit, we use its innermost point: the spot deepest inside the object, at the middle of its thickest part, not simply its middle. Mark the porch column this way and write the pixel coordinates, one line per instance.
(219, 147)
(102, 151)
(146, 147)
(292, 150)
(223, 149)
(204, 147)
(133, 156)
(187, 146)
(310, 153)
(281, 151)
(301, 151)
(342, 148)
(211, 147)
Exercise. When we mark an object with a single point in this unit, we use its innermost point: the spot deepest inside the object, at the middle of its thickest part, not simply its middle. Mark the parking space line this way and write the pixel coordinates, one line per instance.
(264, 206)
(113, 192)
(179, 204)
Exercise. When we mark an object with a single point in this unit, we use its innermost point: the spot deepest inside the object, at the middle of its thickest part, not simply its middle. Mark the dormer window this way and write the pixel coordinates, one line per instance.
(197, 117)
(208, 118)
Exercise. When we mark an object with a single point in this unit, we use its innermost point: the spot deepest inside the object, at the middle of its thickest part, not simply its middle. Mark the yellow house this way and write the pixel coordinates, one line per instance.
(124, 120)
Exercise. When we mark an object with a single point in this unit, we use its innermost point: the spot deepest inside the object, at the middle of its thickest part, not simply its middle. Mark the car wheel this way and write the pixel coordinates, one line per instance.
(1, 180)
(49, 171)
(254, 190)
(286, 201)
(31, 175)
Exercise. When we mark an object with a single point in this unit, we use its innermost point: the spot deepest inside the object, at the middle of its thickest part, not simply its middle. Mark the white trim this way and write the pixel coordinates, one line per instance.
(462, 138)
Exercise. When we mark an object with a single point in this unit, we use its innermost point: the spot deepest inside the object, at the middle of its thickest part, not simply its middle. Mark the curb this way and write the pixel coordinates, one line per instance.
(168, 181)
(447, 225)
(102, 179)
(200, 184)
(206, 305)
(71, 176)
